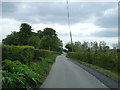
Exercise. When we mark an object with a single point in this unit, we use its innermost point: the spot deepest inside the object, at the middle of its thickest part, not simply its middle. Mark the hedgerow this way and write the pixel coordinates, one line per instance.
(43, 53)
(25, 66)
(24, 54)
(105, 60)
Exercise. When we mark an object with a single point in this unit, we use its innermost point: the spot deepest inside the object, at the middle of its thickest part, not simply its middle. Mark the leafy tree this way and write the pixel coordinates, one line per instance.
(69, 46)
(86, 46)
(45, 43)
(25, 28)
(46, 39)
(19, 38)
(25, 33)
(50, 32)
(40, 34)
(34, 41)
(107, 47)
(11, 39)
(50, 40)
(102, 46)
(95, 46)
(57, 44)
(77, 46)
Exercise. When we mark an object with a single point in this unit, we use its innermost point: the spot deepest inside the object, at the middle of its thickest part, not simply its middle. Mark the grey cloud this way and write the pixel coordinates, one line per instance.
(106, 33)
(54, 12)
(108, 21)
(8, 9)
(68, 34)
(36, 12)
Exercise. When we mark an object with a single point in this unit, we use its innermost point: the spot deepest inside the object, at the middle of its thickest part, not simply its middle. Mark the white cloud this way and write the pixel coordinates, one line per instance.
(80, 32)
(84, 29)
(77, 29)
(111, 11)
(8, 26)
(88, 20)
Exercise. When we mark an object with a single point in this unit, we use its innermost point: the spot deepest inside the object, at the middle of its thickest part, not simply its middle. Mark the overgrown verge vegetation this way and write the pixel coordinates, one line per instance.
(109, 73)
(18, 75)
(27, 57)
(99, 57)
(25, 69)
(24, 54)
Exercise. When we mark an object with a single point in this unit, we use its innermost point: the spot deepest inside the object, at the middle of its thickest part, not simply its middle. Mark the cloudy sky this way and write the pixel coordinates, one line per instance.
(89, 21)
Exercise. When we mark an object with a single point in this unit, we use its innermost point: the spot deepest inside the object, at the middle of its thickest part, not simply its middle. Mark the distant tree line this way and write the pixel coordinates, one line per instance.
(46, 39)
(95, 53)
(86, 46)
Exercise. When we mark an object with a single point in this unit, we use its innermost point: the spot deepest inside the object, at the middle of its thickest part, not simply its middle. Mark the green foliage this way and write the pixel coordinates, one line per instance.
(105, 60)
(25, 33)
(18, 75)
(27, 76)
(95, 53)
(69, 47)
(53, 44)
(19, 38)
(65, 50)
(43, 53)
(40, 34)
(29, 65)
(50, 41)
(34, 41)
(25, 28)
(46, 43)
(86, 46)
(11, 39)
(42, 65)
(25, 54)
(46, 39)
(49, 32)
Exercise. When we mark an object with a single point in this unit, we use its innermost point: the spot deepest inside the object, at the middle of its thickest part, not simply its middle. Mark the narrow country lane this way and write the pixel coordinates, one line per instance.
(65, 74)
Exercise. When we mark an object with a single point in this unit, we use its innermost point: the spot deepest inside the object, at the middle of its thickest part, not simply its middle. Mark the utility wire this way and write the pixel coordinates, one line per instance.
(68, 15)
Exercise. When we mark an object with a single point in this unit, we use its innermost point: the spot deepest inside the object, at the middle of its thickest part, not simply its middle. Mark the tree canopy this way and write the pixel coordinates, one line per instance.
(46, 39)
(86, 46)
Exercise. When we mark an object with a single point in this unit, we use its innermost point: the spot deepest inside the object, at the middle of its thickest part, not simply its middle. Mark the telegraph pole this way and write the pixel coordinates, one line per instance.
(69, 22)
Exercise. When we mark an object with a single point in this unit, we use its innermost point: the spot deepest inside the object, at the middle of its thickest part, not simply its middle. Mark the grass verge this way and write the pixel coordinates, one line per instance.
(113, 75)
(42, 66)
(26, 76)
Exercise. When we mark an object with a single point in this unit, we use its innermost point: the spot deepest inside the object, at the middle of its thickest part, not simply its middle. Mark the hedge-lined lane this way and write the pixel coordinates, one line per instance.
(25, 66)
(106, 62)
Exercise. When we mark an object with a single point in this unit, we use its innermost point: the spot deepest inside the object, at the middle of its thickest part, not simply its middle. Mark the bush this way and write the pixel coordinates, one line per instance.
(105, 60)
(18, 75)
(43, 53)
(42, 65)
(25, 54)
(65, 50)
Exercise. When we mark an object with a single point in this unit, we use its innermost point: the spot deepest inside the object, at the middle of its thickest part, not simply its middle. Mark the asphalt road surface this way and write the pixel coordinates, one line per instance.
(66, 74)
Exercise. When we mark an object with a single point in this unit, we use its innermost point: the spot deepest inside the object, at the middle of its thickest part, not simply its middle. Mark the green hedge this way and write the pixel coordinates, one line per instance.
(43, 53)
(105, 60)
(26, 74)
(25, 54)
